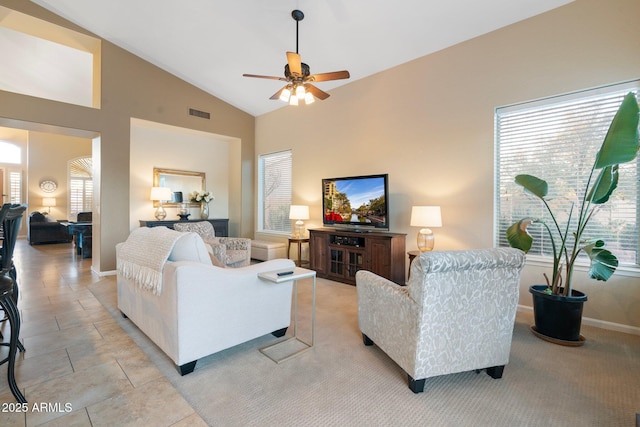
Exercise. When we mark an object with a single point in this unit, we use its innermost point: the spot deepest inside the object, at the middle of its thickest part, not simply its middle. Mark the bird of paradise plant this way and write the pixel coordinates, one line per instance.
(620, 145)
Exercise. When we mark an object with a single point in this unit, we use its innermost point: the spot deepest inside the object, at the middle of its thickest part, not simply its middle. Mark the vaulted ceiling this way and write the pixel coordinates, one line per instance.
(211, 43)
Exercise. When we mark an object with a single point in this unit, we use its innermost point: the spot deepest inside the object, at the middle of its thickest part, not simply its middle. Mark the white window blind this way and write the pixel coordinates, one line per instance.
(80, 195)
(556, 140)
(274, 192)
(15, 187)
(80, 185)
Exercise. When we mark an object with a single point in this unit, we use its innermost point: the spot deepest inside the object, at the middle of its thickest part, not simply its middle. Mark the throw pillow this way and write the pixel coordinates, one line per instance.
(190, 247)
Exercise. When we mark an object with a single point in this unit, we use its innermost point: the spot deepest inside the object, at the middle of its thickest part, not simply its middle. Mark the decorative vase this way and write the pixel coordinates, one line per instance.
(204, 210)
(558, 318)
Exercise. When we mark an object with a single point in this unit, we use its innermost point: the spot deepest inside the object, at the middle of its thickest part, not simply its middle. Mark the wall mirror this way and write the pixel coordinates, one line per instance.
(179, 181)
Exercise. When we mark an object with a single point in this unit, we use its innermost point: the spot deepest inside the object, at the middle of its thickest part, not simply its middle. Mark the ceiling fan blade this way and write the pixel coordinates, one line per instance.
(277, 94)
(265, 77)
(323, 77)
(295, 64)
(320, 94)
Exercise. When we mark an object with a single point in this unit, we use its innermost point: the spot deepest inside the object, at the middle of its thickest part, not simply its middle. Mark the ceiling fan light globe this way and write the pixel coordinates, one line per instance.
(308, 98)
(300, 92)
(293, 100)
(285, 94)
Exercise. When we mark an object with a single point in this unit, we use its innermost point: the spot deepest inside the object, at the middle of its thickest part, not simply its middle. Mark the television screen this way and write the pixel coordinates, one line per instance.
(357, 202)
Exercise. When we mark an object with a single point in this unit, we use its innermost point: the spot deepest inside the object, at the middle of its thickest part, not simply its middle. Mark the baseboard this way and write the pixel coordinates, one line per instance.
(603, 324)
(104, 273)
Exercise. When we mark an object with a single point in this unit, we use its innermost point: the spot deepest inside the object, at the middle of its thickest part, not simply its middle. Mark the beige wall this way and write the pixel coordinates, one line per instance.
(49, 155)
(131, 88)
(429, 124)
(206, 153)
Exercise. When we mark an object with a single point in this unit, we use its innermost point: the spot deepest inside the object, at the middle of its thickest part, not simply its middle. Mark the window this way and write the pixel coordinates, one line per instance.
(15, 187)
(80, 185)
(72, 60)
(550, 139)
(10, 153)
(274, 192)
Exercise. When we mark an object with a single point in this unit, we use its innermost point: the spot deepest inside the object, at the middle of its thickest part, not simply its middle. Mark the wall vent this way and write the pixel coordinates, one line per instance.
(198, 113)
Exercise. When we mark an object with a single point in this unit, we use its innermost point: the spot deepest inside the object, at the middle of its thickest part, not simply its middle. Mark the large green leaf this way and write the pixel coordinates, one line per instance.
(604, 185)
(620, 145)
(603, 262)
(518, 237)
(533, 185)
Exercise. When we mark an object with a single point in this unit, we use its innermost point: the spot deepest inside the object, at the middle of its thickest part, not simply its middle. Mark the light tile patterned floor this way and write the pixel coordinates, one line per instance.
(80, 368)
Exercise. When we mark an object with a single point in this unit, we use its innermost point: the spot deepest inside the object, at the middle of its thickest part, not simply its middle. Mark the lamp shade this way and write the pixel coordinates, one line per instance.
(426, 216)
(160, 193)
(48, 202)
(299, 212)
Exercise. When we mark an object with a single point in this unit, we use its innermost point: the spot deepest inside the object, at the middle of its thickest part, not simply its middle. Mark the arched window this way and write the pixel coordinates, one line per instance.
(80, 185)
(10, 153)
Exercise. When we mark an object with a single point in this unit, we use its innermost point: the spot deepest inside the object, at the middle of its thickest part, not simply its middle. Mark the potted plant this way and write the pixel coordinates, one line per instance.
(557, 306)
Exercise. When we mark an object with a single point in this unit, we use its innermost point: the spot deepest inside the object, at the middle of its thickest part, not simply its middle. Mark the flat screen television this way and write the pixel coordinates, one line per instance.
(360, 203)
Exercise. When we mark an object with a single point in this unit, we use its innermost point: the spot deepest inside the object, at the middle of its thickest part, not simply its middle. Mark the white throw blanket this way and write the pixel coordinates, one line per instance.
(142, 256)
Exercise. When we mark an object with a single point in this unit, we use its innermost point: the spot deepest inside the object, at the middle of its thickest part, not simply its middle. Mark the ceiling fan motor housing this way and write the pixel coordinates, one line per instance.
(305, 72)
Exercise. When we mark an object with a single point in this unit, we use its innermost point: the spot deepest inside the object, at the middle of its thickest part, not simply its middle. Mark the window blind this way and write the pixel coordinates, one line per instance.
(557, 140)
(274, 191)
(15, 187)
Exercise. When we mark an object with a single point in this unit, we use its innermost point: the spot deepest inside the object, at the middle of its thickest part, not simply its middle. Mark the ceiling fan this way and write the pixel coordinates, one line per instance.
(299, 78)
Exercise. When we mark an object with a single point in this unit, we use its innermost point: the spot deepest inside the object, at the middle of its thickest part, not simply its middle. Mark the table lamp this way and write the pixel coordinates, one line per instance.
(160, 194)
(426, 216)
(48, 202)
(299, 212)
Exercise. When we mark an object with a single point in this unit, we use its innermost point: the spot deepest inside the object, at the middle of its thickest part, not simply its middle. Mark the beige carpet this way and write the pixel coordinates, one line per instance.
(340, 382)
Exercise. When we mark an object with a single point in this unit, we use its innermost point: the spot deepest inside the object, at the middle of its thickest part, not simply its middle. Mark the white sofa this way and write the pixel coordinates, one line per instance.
(202, 309)
(456, 314)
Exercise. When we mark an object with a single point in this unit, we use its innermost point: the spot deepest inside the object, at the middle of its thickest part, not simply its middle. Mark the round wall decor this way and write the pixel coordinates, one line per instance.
(48, 186)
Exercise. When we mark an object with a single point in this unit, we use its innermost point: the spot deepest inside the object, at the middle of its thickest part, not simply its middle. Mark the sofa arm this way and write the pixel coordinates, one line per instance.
(222, 307)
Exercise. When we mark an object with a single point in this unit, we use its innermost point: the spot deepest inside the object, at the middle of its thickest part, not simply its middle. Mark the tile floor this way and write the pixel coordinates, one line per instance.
(79, 368)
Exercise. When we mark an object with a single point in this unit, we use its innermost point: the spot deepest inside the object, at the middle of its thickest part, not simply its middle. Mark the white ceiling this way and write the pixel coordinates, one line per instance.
(211, 43)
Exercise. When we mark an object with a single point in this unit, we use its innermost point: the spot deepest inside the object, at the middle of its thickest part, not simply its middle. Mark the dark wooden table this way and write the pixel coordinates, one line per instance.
(82, 233)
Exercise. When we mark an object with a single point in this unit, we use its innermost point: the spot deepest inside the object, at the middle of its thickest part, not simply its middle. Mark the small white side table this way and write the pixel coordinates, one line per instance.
(298, 273)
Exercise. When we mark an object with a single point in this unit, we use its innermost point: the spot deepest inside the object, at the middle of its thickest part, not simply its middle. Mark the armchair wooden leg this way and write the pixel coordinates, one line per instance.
(416, 386)
(366, 340)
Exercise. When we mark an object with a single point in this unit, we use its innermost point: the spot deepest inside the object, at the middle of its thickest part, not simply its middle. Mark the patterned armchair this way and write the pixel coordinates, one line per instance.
(456, 314)
(230, 251)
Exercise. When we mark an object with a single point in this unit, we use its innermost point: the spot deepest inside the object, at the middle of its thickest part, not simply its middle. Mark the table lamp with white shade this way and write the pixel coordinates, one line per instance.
(49, 202)
(425, 217)
(299, 212)
(160, 194)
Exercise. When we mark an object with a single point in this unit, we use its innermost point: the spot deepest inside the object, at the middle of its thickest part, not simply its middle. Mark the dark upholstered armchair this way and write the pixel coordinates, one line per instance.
(84, 217)
(44, 229)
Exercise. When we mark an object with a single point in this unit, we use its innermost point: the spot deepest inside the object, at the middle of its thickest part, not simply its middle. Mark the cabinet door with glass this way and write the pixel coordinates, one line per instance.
(344, 263)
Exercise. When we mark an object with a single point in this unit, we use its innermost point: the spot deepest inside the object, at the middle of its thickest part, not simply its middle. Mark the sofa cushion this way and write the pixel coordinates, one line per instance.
(190, 247)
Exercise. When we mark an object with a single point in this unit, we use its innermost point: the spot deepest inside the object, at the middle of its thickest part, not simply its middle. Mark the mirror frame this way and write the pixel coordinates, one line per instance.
(157, 172)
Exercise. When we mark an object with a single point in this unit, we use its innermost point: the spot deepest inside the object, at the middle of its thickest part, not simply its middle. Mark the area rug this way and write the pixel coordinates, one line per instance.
(340, 382)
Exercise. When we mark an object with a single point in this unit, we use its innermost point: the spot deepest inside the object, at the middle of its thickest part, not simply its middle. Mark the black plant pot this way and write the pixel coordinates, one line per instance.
(557, 317)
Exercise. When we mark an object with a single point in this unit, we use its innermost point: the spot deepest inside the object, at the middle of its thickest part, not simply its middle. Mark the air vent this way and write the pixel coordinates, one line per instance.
(198, 113)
